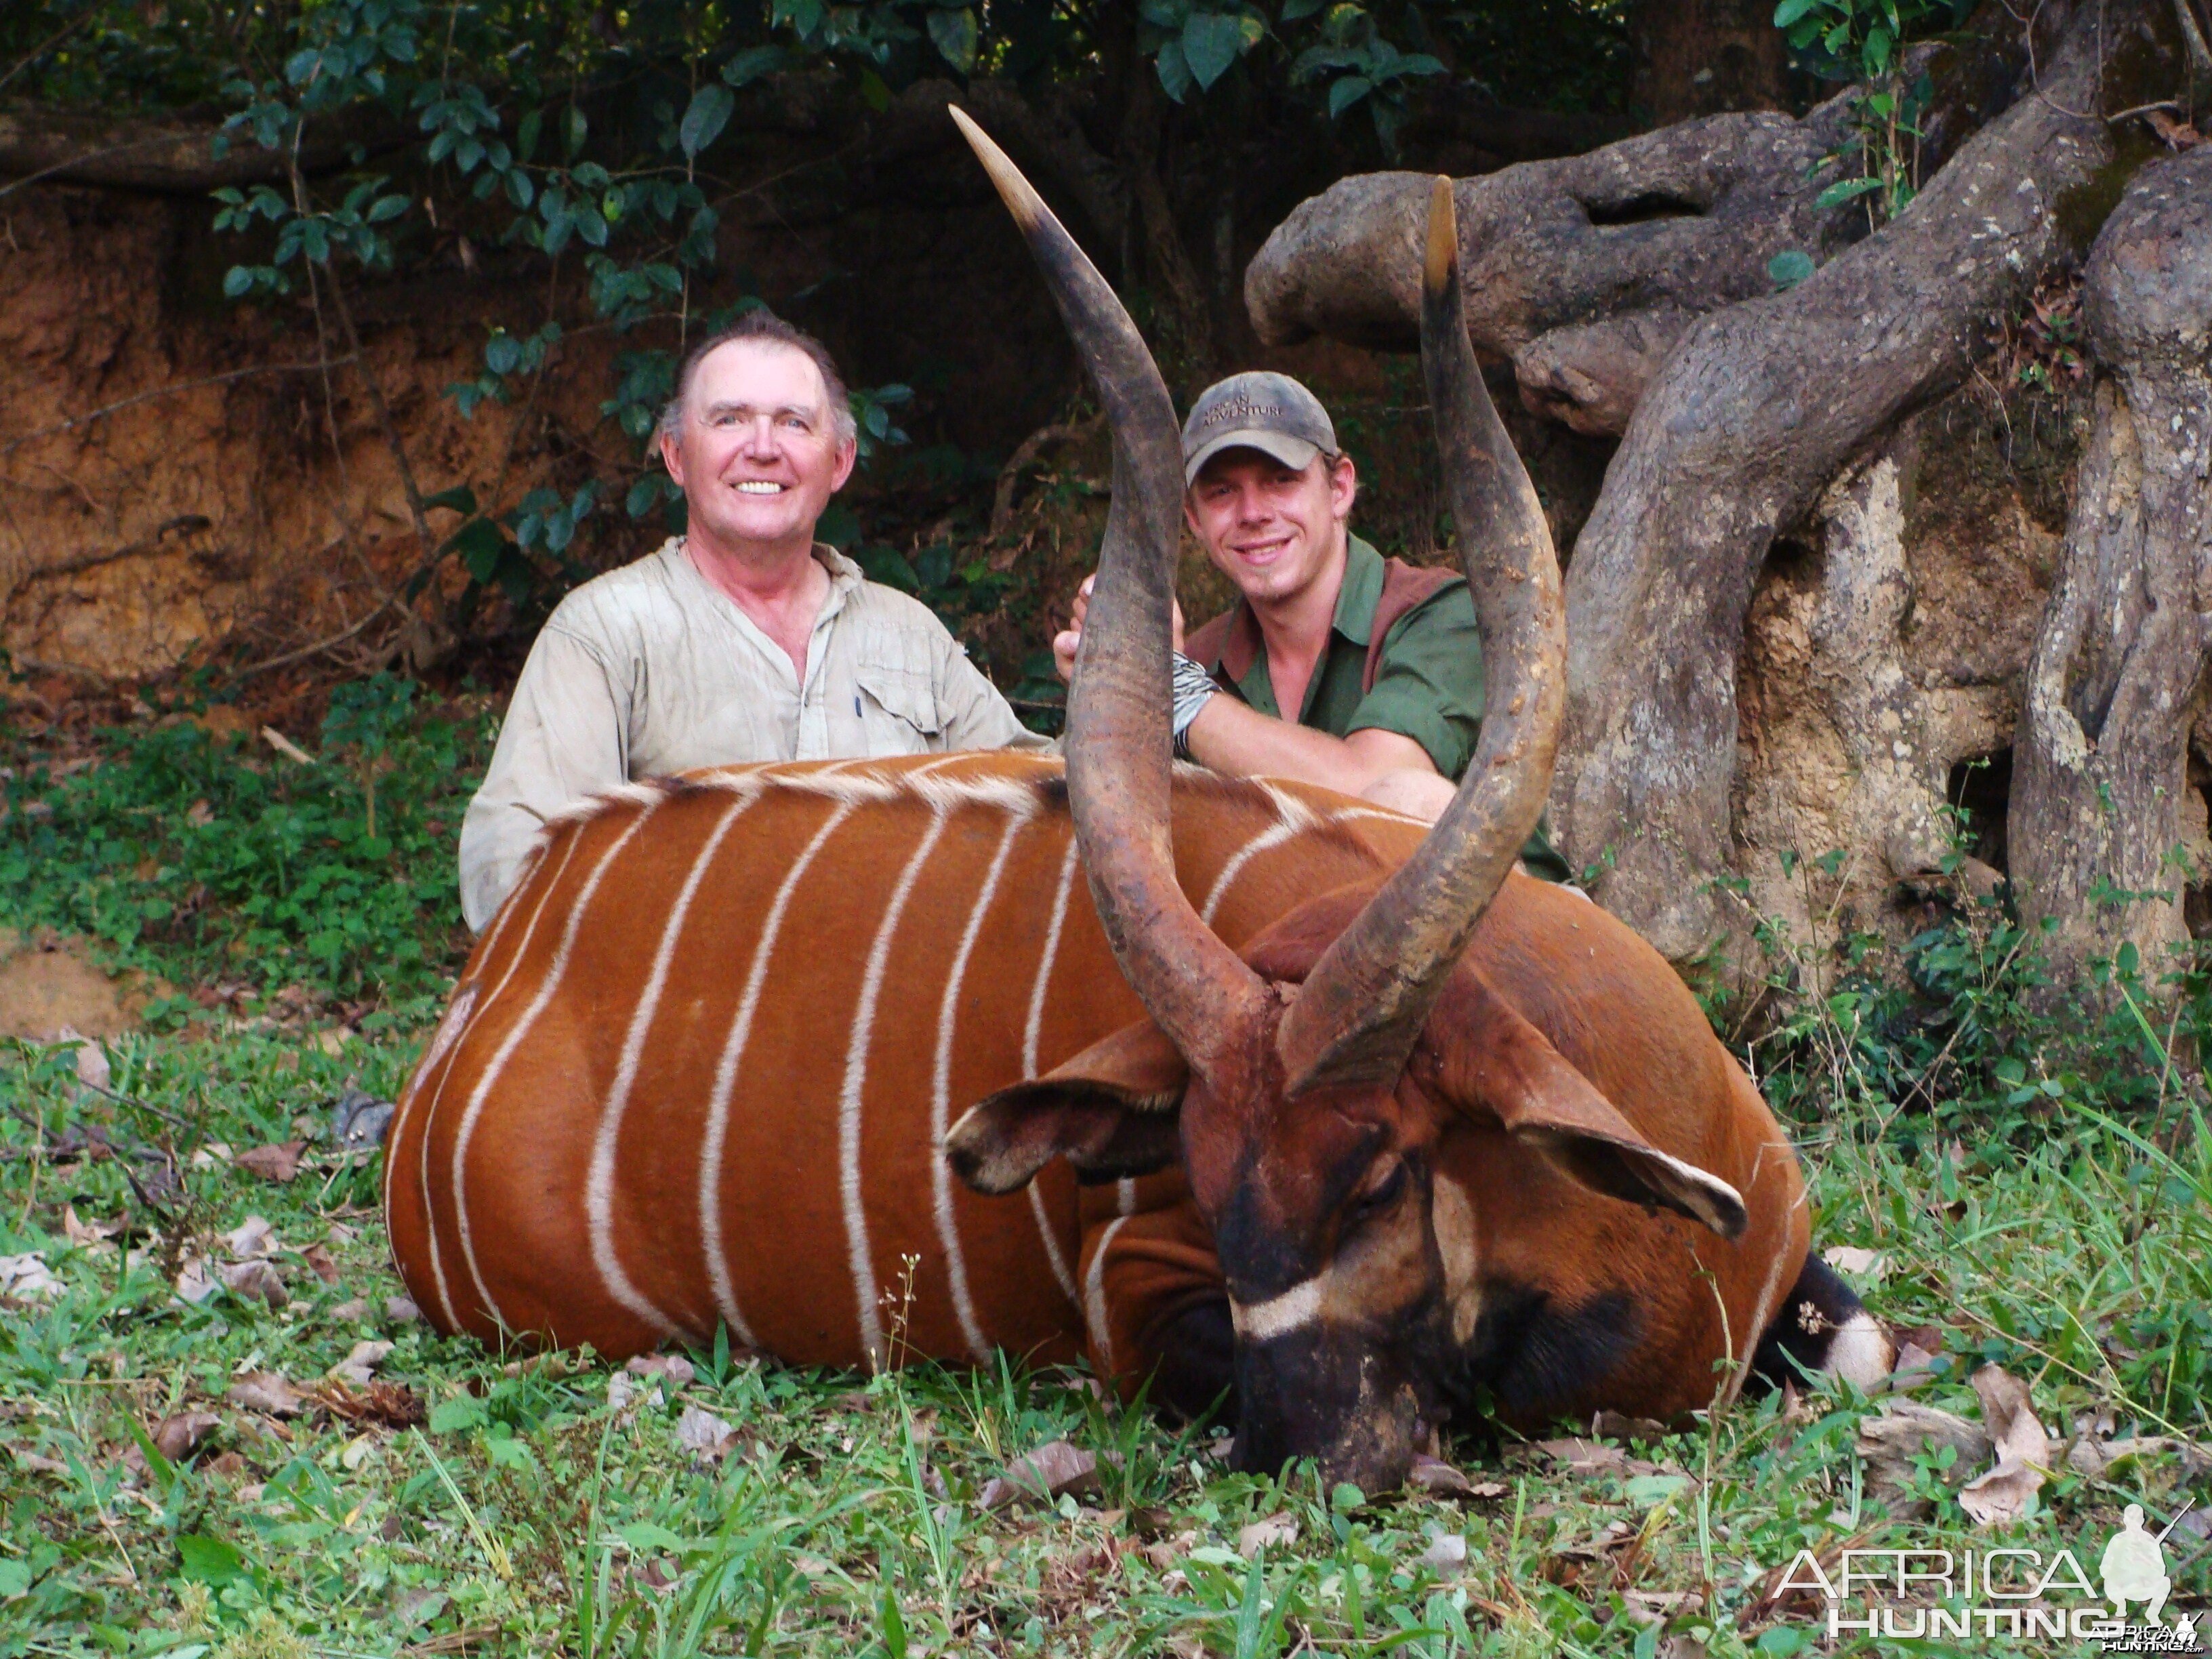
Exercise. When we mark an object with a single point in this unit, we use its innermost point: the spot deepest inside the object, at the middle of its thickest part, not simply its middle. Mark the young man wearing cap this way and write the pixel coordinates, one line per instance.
(1336, 666)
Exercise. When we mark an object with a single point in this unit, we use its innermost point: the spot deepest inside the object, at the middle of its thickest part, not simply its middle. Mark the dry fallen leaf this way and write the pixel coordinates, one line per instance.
(1866, 1265)
(279, 1161)
(251, 1237)
(351, 1311)
(266, 1391)
(1052, 1469)
(195, 1280)
(1888, 1440)
(386, 1404)
(26, 1275)
(1267, 1530)
(1580, 1456)
(319, 1259)
(1434, 1475)
(1642, 1606)
(676, 1369)
(705, 1436)
(401, 1311)
(2023, 1451)
(256, 1280)
(178, 1436)
(90, 1060)
(1447, 1553)
(2175, 135)
(82, 1232)
(359, 1366)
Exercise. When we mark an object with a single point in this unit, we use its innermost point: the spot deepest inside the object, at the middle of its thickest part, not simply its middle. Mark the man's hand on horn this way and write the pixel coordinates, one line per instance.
(1065, 642)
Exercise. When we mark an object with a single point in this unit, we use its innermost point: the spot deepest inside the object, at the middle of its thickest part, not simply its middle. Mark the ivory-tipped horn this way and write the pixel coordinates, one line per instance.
(1366, 999)
(1202, 995)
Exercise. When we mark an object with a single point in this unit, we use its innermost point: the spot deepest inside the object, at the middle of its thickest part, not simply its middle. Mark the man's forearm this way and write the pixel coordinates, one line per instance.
(1231, 737)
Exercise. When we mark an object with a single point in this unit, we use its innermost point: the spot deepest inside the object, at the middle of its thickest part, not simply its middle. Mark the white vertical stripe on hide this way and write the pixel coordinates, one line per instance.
(599, 1185)
(725, 1077)
(1094, 1301)
(1292, 816)
(1030, 1034)
(849, 1096)
(512, 1041)
(940, 1099)
(1125, 1196)
(437, 1095)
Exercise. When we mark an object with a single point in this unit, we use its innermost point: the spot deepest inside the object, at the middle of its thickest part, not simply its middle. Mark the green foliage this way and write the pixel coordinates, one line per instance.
(195, 859)
(1864, 41)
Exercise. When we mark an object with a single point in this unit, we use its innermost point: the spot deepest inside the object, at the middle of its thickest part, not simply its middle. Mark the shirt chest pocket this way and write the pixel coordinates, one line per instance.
(898, 710)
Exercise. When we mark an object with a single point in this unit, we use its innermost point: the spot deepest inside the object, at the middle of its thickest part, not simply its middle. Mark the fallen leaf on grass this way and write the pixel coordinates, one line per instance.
(90, 1060)
(195, 1280)
(1641, 1606)
(1447, 1553)
(401, 1311)
(82, 1232)
(1051, 1470)
(676, 1369)
(2023, 1451)
(1866, 1265)
(251, 1237)
(36, 1464)
(179, 1436)
(255, 1280)
(1434, 1476)
(266, 1391)
(1889, 1441)
(26, 1275)
(1267, 1530)
(358, 1367)
(386, 1405)
(278, 1162)
(706, 1437)
(349, 1312)
(319, 1259)
(1587, 1457)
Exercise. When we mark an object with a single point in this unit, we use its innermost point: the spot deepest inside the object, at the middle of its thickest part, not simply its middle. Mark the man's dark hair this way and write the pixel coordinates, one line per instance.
(763, 324)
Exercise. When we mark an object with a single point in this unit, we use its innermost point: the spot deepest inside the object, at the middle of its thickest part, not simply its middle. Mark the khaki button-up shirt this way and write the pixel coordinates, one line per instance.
(651, 670)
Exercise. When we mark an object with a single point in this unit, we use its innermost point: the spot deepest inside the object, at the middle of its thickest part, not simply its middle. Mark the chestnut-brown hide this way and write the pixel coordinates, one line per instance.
(896, 940)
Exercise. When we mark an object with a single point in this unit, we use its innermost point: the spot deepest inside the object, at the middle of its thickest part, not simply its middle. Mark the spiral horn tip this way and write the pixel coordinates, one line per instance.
(1022, 201)
(1444, 236)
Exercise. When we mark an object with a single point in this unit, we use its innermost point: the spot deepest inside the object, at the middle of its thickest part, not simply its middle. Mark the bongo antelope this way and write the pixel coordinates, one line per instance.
(1268, 1096)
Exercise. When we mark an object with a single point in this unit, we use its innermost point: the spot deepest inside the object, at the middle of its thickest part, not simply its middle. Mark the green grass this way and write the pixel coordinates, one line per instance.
(213, 860)
(526, 1516)
(2036, 1176)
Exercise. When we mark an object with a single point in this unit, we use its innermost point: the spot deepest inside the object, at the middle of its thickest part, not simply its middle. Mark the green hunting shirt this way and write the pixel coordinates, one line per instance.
(1428, 682)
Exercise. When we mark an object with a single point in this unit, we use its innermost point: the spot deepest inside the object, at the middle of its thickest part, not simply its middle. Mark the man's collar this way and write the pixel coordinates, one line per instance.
(1356, 599)
(845, 576)
(1362, 591)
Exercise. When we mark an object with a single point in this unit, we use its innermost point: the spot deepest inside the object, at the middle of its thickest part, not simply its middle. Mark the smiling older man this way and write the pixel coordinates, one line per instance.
(743, 639)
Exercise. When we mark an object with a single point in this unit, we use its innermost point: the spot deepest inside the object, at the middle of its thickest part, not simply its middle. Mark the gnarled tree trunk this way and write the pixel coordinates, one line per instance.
(1753, 413)
(1583, 270)
(2119, 672)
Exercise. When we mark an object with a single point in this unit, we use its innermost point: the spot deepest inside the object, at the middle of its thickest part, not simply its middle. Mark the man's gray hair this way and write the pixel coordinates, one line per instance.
(763, 324)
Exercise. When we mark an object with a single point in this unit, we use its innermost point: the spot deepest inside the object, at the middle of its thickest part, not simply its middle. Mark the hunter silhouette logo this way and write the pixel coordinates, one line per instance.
(2134, 1567)
(2022, 1594)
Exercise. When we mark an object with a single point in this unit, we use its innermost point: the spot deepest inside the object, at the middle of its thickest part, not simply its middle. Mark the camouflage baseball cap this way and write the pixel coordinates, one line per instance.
(1271, 413)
